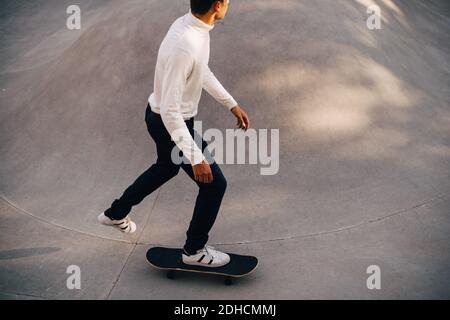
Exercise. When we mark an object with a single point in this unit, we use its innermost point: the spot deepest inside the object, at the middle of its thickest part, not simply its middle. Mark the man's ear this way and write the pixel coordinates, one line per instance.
(217, 5)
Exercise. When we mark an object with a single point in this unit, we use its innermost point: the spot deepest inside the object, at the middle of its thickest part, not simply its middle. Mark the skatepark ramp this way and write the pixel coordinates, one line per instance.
(364, 167)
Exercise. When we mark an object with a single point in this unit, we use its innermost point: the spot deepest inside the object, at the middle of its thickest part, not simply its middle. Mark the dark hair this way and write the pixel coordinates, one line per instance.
(202, 6)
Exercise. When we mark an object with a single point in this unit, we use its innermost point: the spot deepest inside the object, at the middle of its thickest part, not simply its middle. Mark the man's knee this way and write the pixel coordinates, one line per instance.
(219, 184)
(173, 171)
(170, 170)
(223, 183)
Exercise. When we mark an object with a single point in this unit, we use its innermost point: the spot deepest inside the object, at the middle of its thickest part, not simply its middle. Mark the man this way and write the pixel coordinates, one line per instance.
(182, 72)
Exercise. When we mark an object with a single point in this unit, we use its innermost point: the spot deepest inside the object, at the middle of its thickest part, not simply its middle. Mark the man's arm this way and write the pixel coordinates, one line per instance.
(178, 68)
(216, 90)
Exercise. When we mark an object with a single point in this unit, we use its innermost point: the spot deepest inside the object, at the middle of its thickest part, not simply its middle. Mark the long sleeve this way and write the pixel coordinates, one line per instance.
(178, 68)
(216, 89)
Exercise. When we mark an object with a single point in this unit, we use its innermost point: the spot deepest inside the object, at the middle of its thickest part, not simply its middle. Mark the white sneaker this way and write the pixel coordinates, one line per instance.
(207, 257)
(124, 225)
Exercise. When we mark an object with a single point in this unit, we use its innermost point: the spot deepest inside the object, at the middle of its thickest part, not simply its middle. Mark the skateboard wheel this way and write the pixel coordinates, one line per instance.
(171, 275)
(228, 281)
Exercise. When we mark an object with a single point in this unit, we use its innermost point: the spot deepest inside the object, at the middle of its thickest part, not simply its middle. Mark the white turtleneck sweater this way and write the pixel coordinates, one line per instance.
(182, 72)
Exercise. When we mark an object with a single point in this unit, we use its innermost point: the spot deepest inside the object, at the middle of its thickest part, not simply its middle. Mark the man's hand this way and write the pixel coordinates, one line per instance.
(202, 172)
(242, 119)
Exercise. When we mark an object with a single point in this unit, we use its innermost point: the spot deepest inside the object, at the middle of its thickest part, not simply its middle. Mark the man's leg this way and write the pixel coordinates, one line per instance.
(158, 174)
(206, 207)
(149, 181)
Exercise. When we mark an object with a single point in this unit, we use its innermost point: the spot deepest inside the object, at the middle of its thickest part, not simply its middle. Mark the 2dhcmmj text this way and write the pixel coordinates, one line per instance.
(227, 309)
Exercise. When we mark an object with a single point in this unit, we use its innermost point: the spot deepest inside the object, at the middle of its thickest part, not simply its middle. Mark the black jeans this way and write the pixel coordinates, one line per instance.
(209, 197)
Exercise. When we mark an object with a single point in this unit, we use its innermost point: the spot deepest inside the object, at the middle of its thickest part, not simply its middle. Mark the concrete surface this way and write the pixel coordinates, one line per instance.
(364, 125)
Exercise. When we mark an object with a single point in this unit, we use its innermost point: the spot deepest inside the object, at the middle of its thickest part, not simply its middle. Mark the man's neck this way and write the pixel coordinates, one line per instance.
(207, 18)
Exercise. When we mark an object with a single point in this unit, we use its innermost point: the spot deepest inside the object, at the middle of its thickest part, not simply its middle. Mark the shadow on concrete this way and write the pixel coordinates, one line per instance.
(27, 252)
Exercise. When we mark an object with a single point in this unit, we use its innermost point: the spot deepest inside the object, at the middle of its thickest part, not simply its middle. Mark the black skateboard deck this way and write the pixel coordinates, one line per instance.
(171, 260)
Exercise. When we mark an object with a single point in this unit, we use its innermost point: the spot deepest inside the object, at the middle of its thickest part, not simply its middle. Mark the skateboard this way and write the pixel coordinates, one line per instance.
(171, 260)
